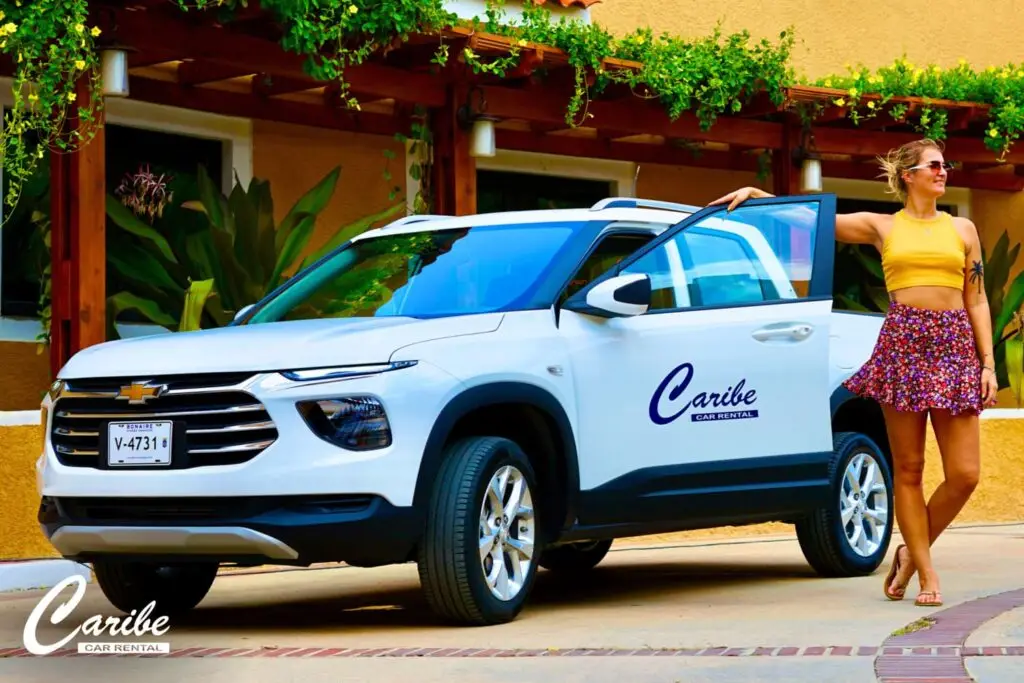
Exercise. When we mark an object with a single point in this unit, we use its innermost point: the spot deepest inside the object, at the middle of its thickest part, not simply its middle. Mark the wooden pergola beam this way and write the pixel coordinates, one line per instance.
(248, 55)
(192, 73)
(636, 118)
(636, 152)
(860, 143)
(248, 106)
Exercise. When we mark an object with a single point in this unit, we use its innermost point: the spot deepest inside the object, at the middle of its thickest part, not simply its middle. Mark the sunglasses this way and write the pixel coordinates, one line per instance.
(934, 166)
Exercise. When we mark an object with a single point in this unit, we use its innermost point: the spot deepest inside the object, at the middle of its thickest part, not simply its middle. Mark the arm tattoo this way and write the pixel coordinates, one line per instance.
(977, 273)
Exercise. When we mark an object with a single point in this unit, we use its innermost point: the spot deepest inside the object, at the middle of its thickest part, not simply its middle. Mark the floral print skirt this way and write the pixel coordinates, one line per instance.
(923, 359)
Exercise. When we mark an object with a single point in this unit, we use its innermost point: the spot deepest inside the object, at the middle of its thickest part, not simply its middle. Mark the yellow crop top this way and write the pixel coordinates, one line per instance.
(920, 252)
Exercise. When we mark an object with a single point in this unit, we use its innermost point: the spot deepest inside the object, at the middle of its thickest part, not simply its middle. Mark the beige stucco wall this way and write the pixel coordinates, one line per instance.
(295, 158)
(831, 33)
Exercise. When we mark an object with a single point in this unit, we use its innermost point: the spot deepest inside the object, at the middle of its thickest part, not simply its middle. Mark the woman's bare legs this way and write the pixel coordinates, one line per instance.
(959, 443)
(906, 440)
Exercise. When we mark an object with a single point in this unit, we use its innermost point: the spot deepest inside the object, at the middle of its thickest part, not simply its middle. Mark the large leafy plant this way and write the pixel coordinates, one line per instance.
(237, 255)
(1006, 301)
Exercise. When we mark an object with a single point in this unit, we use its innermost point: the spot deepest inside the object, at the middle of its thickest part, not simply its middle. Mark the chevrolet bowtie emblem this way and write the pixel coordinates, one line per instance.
(137, 393)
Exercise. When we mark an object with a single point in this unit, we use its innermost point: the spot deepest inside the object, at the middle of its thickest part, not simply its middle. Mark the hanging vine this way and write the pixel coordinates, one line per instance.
(53, 48)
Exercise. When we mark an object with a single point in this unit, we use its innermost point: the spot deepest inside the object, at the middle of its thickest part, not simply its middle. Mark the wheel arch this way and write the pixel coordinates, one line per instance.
(851, 413)
(531, 416)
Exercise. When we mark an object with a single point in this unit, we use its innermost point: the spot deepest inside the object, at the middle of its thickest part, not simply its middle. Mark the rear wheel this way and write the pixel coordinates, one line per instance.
(850, 536)
(575, 557)
(174, 588)
(477, 561)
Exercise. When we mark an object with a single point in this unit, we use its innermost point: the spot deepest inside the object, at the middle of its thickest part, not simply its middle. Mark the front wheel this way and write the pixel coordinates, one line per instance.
(850, 536)
(477, 559)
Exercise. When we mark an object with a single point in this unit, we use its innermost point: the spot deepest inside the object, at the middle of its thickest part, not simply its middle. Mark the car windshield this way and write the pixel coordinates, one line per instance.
(424, 274)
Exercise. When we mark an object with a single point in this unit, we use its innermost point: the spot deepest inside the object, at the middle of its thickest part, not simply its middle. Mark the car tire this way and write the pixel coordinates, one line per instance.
(575, 557)
(452, 570)
(837, 549)
(174, 589)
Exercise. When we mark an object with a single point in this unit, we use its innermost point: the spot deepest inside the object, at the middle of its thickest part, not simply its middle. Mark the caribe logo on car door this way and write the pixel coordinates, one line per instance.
(735, 397)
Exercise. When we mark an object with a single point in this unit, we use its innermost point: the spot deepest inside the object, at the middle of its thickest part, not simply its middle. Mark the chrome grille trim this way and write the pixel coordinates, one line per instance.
(217, 422)
(155, 415)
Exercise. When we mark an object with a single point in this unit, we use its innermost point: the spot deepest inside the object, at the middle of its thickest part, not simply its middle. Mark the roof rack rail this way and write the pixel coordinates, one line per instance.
(415, 218)
(634, 203)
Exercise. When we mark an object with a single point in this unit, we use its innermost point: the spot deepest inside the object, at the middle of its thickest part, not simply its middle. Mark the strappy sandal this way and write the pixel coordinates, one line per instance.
(900, 592)
(933, 599)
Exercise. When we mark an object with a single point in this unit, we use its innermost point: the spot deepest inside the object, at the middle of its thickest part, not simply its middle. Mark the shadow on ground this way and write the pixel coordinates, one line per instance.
(327, 605)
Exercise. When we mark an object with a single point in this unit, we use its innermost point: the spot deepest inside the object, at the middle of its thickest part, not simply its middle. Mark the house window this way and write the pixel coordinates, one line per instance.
(166, 142)
(23, 251)
(511, 191)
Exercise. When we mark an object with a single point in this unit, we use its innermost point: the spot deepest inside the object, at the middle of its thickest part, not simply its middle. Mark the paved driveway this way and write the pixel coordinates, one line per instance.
(727, 611)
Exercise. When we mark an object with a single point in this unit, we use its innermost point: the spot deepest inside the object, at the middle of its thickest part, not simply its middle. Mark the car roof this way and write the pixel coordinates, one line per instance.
(428, 223)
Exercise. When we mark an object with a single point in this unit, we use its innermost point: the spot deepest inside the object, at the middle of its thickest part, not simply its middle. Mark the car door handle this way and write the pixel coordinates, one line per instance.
(798, 331)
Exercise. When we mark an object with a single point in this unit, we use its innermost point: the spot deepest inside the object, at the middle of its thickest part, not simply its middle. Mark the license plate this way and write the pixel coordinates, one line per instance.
(139, 443)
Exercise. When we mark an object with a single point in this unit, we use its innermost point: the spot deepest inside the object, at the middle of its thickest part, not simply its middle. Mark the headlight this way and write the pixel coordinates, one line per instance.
(356, 423)
(345, 372)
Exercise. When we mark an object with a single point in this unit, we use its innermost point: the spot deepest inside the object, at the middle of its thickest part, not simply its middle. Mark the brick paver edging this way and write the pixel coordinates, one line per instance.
(942, 643)
(915, 653)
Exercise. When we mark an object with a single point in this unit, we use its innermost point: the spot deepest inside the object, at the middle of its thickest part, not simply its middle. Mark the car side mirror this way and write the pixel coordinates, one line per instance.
(619, 296)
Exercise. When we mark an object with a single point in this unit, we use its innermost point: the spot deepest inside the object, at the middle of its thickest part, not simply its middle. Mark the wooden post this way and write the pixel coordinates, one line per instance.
(454, 169)
(785, 172)
(78, 248)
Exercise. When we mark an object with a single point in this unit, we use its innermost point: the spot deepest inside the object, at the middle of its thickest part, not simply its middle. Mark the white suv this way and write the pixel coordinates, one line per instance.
(483, 395)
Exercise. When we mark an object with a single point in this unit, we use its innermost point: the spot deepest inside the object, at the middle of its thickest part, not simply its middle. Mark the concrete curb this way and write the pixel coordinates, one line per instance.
(39, 574)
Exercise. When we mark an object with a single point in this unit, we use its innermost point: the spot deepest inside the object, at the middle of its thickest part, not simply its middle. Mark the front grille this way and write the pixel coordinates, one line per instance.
(221, 424)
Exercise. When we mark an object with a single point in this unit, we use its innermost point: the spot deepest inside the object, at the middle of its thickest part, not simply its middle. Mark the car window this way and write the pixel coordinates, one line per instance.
(426, 274)
(608, 253)
(752, 254)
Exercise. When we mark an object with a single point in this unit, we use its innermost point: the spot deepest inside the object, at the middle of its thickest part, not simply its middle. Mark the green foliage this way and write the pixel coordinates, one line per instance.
(1006, 303)
(238, 256)
(712, 75)
(52, 47)
(859, 283)
(1003, 88)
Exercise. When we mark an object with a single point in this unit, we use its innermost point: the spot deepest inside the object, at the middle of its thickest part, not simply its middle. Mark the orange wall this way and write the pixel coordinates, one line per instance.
(24, 375)
(294, 158)
(690, 185)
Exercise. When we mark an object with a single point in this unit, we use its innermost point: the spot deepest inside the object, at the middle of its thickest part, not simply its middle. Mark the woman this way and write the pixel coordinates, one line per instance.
(926, 360)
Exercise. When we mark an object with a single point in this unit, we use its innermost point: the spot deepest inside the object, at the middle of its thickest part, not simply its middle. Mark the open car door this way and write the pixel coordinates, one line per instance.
(701, 364)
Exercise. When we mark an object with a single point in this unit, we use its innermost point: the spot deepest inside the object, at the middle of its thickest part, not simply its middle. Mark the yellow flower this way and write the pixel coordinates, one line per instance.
(32, 97)
(873, 79)
(522, 42)
(871, 104)
(80, 64)
(993, 133)
(72, 97)
(95, 31)
(853, 92)
(10, 27)
(1020, 74)
(828, 82)
(840, 102)
(79, 28)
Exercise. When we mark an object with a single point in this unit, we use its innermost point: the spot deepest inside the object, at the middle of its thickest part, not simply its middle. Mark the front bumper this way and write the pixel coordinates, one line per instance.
(362, 530)
(297, 463)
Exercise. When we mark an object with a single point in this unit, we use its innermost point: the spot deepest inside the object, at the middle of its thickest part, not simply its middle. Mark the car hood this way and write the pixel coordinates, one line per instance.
(269, 346)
